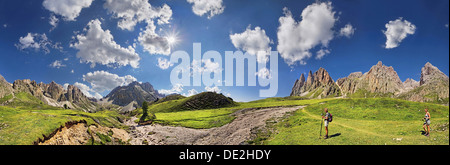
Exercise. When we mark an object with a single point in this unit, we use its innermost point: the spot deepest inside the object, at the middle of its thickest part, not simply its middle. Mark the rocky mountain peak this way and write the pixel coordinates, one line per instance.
(53, 90)
(355, 75)
(320, 83)
(379, 64)
(323, 77)
(302, 79)
(27, 86)
(384, 79)
(135, 91)
(410, 84)
(5, 87)
(431, 73)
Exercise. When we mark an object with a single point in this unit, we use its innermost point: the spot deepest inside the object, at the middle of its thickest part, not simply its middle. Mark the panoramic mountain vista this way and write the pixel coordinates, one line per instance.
(225, 72)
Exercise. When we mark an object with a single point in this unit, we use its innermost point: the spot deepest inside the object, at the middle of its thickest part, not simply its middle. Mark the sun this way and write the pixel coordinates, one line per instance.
(172, 39)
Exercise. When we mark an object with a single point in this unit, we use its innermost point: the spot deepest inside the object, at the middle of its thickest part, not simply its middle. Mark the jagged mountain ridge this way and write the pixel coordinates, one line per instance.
(379, 81)
(433, 87)
(54, 94)
(317, 85)
(51, 94)
(133, 92)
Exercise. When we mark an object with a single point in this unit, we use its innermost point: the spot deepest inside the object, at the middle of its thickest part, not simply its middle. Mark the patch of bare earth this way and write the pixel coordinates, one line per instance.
(234, 133)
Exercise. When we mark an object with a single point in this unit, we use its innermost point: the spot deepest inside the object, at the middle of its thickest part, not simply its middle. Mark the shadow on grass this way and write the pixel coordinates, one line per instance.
(335, 135)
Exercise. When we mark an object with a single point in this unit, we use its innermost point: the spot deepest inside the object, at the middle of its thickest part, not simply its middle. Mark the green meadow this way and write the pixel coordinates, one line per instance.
(375, 121)
(26, 119)
(209, 118)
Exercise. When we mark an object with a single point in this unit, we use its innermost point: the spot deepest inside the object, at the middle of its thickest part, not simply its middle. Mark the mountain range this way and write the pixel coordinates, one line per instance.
(379, 81)
(51, 94)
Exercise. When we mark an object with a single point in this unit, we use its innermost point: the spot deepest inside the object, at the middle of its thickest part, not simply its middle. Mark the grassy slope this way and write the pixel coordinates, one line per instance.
(377, 121)
(209, 118)
(26, 119)
(356, 121)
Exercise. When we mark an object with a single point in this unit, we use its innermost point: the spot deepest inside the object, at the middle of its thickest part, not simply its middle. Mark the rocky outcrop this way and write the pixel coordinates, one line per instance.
(74, 94)
(317, 85)
(80, 133)
(5, 87)
(135, 91)
(28, 86)
(410, 84)
(431, 74)
(380, 79)
(349, 84)
(53, 90)
(299, 83)
(53, 94)
(433, 87)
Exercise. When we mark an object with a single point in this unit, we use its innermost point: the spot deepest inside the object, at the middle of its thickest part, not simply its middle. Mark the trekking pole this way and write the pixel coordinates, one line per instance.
(321, 126)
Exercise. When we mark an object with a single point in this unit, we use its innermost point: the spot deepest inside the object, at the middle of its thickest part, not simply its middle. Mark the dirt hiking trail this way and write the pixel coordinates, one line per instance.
(234, 133)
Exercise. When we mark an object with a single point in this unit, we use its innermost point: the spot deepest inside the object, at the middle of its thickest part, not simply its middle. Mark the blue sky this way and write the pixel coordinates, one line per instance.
(52, 56)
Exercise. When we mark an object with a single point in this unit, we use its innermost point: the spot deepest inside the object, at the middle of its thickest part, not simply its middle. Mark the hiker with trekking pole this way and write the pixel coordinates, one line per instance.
(426, 122)
(327, 118)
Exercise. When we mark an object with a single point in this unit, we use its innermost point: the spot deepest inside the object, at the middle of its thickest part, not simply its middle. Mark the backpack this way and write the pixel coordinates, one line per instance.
(330, 119)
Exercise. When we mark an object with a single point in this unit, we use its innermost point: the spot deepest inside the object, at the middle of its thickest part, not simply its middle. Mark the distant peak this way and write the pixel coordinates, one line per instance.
(134, 83)
(428, 64)
(380, 63)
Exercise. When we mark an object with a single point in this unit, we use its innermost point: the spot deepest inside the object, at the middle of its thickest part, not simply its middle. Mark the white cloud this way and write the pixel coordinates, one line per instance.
(264, 73)
(98, 46)
(295, 39)
(65, 85)
(208, 66)
(397, 30)
(321, 53)
(57, 64)
(255, 42)
(164, 63)
(104, 81)
(28, 41)
(86, 90)
(213, 89)
(177, 88)
(68, 9)
(53, 21)
(347, 31)
(130, 12)
(208, 7)
(37, 42)
(152, 42)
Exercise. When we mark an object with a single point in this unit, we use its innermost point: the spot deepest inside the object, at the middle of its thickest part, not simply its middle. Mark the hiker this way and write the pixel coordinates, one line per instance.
(325, 118)
(426, 123)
